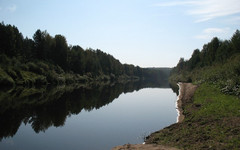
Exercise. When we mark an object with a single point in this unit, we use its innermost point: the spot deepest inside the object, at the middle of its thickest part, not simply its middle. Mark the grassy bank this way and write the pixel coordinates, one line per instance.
(211, 122)
(224, 76)
(212, 116)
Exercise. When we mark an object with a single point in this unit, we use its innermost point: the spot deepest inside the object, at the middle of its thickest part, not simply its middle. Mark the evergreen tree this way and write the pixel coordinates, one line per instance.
(60, 52)
(235, 42)
(195, 59)
(223, 52)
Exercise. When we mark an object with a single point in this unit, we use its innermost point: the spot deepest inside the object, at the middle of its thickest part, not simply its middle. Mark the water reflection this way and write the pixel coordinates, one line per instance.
(50, 106)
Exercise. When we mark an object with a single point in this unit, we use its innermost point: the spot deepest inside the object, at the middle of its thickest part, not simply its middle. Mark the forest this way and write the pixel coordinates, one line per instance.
(218, 63)
(45, 59)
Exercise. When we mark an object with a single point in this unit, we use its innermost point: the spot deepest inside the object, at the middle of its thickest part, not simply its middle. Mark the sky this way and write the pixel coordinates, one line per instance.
(147, 33)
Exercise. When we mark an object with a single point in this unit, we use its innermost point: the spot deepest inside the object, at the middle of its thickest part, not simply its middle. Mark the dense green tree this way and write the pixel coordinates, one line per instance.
(60, 52)
(181, 64)
(76, 60)
(209, 50)
(11, 40)
(39, 41)
(195, 59)
(92, 62)
(223, 52)
(28, 46)
(49, 58)
(217, 63)
(213, 46)
(44, 46)
(49, 46)
(104, 61)
(129, 69)
(235, 42)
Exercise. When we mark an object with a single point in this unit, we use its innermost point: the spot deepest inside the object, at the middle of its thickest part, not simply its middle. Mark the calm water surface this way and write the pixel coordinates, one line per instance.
(116, 115)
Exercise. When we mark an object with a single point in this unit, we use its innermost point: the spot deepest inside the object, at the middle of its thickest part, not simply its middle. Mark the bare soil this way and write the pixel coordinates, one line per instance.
(186, 93)
(143, 147)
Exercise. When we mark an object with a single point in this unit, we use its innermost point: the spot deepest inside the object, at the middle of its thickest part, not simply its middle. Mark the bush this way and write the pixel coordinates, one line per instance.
(44, 66)
(41, 80)
(15, 62)
(61, 80)
(4, 59)
(51, 77)
(24, 67)
(12, 73)
(54, 78)
(58, 69)
(81, 79)
(69, 78)
(5, 79)
(34, 68)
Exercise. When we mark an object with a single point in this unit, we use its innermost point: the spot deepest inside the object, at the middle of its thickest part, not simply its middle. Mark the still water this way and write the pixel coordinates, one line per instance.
(80, 118)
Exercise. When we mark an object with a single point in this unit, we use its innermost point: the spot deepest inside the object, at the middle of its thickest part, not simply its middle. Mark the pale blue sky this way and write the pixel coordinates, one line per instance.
(148, 33)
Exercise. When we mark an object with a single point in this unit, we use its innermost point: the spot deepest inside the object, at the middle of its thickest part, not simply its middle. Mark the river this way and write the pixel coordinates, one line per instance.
(84, 117)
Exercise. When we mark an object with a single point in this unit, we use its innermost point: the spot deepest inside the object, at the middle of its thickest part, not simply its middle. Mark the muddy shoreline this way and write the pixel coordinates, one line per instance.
(180, 116)
(186, 92)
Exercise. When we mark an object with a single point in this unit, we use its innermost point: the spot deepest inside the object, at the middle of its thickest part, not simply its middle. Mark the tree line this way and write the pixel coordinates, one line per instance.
(218, 62)
(215, 52)
(48, 58)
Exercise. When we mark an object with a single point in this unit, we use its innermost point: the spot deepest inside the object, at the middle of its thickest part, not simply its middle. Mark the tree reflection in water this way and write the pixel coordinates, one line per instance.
(50, 106)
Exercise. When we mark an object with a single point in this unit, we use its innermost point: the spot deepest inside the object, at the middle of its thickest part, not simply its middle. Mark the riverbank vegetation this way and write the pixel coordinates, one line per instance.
(211, 122)
(212, 116)
(217, 63)
(50, 60)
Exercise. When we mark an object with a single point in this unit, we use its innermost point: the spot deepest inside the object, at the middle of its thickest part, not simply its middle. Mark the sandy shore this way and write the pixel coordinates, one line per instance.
(180, 116)
(186, 92)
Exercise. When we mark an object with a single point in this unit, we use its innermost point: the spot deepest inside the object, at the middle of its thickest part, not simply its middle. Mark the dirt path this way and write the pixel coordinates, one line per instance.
(186, 92)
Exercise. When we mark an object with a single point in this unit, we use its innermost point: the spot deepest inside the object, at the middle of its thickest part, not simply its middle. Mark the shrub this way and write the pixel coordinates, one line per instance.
(24, 67)
(4, 59)
(54, 78)
(69, 79)
(44, 66)
(61, 80)
(15, 62)
(12, 73)
(40, 80)
(34, 68)
(51, 77)
(58, 69)
(5, 79)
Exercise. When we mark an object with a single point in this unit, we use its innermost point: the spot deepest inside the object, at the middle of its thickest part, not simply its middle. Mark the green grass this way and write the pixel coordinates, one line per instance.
(215, 104)
(214, 124)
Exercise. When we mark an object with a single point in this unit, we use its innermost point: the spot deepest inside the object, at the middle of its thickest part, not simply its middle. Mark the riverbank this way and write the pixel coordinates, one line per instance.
(143, 147)
(186, 92)
(211, 121)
